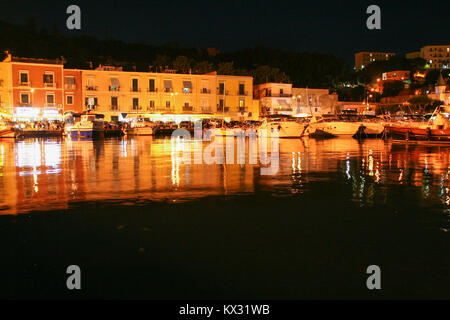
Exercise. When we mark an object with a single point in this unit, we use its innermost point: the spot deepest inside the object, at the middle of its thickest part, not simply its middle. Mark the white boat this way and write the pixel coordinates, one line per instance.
(6, 131)
(345, 126)
(141, 128)
(284, 126)
(87, 127)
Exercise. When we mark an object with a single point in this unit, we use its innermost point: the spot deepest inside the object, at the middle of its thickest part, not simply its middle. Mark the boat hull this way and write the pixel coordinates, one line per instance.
(343, 128)
(140, 131)
(419, 134)
(7, 133)
(86, 133)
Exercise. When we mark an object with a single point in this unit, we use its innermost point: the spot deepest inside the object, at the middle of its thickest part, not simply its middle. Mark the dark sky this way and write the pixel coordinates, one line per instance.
(337, 27)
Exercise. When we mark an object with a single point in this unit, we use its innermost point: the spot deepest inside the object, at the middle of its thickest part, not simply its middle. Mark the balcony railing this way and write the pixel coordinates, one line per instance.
(135, 90)
(113, 108)
(223, 109)
(53, 105)
(242, 93)
(136, 108)
(91, 88)
(25, 84)
(70, 87)
(162, 109)
(114, 88)
(50, 85)
(277, 95)
(188, 108)
(206, 110)
(243, 109)
(205, 91)
(24, 104)
(223, 92)
(153, 90)
(168, 90)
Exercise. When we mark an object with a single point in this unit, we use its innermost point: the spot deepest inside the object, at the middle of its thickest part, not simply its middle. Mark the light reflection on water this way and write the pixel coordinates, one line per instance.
(50, 174)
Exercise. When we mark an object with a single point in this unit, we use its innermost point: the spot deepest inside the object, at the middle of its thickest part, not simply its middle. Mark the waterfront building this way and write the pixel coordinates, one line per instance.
(5, 88)
(437, 56)
(364, 58)
(274, 98)
(43, 89)
(73, 95)
(313, 101)
(35, 88)
(234, 97)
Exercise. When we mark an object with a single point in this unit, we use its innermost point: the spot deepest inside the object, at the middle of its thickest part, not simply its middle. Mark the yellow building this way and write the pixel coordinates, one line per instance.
(6, 98)
(166, 96)
(235, 98)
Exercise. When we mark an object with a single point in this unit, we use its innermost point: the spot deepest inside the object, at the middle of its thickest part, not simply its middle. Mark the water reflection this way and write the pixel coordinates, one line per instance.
(51, 174)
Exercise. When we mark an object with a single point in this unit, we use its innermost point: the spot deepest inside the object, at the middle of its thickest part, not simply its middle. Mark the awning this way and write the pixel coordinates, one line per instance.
(70, 80)
(187, 84)
(168, 84)
(114, 82)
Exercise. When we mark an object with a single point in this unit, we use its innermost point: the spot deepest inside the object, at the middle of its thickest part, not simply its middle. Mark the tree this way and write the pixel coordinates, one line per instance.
(182, 64)
(420, 102)
(226, 68)
(392, 89)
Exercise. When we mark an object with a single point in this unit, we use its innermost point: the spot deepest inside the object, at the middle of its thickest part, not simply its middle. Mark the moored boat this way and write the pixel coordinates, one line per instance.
(283, 126)
(437, 131)
(6, 132)
(346, 126)
(87, 127)
(143, 127)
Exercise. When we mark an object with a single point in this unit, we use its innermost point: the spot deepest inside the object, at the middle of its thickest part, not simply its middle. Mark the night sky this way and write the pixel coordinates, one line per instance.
(337, 27)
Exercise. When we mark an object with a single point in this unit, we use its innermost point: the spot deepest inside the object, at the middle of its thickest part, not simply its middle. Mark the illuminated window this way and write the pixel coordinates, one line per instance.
(135, 102)
(114, 103)
(135, 85)
(23, 77)
(25, 98)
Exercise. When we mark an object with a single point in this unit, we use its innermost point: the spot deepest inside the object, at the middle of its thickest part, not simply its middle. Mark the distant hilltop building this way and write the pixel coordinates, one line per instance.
(437, 57)
(364, 58)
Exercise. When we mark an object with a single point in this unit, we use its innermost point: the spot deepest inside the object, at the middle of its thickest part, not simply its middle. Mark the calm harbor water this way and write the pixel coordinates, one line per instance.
(143, 224)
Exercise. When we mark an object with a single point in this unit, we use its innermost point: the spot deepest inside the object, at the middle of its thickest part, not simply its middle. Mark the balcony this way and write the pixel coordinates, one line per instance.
(242, 93)
(206, 110)
(188, 108)
(223, 109)
(114, 108)
(49, 85)
(168, 90)
(277, 95)
(114, 88)
(154, 90)
(137, 108)
(161, 109)
(223, 92)
(52, 105)
(205, 91)
(243, 109)
(24, 84)
(70, 87)
(91, 88)
(135, 90)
